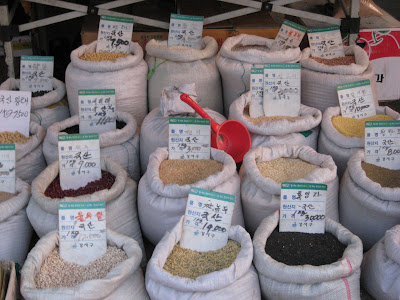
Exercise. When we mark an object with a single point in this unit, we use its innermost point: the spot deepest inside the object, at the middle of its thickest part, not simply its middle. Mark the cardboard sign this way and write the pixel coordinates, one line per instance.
(289, 36)
(97, 111)
(326, 42)
(185, 31)
(7, 168)
(207, 220)
(82, 230)
(36, 73)
(256, 87)
(302, 207)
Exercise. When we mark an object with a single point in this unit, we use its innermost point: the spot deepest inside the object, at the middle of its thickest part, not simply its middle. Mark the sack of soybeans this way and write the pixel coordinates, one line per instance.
(178, 273)
(278, 130)
(265, 168)
(15, 228)
(121, 145)
(164, 188)
(369, 199)
(340, 137)
(177, 65)
(321, 76)
(126, 73)
(302, 266)
(241, 53)
(114, 275)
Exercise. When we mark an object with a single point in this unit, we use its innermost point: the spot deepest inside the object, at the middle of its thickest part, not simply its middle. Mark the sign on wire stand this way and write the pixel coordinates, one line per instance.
(256, 91)
(36, 73)
(185, 31)
(7, 168)
(15, 111)
(289, 36)
(326, 42)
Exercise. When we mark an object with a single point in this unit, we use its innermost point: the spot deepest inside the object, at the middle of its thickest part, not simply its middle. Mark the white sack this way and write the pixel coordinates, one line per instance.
(171, 103)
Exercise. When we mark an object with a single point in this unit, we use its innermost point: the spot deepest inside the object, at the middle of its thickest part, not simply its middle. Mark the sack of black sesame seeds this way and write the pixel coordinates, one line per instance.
(338, 280)
(124, 281)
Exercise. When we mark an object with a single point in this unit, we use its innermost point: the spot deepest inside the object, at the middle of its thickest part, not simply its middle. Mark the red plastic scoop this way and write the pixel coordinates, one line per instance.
(231, 136)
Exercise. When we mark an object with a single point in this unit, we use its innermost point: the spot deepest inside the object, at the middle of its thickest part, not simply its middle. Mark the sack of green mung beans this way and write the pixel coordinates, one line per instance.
(177, 273)
(126, 73)
(340, 137)
(320, 77)
(241, 53)
(114, 275)
(265, 168)
(15, 228)
(328, 269)
(164, 188)
(177, 65)
(121, 145)
(277, 130)
(369, 199)
(47, 107)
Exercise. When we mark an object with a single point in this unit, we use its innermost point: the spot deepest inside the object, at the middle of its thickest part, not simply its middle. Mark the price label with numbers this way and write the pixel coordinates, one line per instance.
(256, 89)
(15, 111)
(97, 111)
(282, 89)
(82, 231)
(207, 220)
(115, 34)
(7, 168)
(302, 207)
(289, 36)
(185, 31)
(326, 42)
(382, 144)
(79, 158)
(36, 73)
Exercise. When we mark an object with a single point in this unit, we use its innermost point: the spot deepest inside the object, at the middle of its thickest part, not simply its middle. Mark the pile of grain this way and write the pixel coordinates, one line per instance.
(263, 119)
(337, 61)
(6, 196)
(355, 127)
(99, 56)
(241, 47)
(385, 177)
(12, 137)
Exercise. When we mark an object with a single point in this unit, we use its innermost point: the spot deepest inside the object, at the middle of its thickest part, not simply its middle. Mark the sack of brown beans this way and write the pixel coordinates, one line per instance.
(15, 228)
(369, 199)
(46, 107)
(320, 77)
(178, 273)
(114, 275)
(177, 65)
(126, 73)
(265, 168)
(278, 130)
(303, 266)
(241, 53)
(340, 137)
(164, 189)
(121, 145)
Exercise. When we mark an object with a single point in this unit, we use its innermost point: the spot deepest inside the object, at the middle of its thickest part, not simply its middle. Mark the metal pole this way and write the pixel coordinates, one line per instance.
(230, 15)
(354, 13)
(5, 20)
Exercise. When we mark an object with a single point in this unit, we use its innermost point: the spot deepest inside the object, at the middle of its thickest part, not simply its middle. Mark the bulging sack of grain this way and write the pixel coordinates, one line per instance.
(121, 145)
(160, 204)
(340, 146)
(367, 208)
(338, 280)
(177, 65)
(241, 53)
(271, 131)
(319, 80)
(238, 281)
(15, 228)
(127, 75)
(124, 281)
(261, 195)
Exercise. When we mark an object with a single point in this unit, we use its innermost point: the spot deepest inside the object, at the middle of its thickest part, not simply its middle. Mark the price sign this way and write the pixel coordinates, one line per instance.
(356, 99)
(326, 42)
(115, 34)
(15, 111)
(79, 157)
(7, 168)
(382, 144)
(189, 138)
(302, 207)
(256, 87)
(289, 36)
(207, 220)
(185, 31)
(36, 73)
(97, 111)
(282, 89)
(82, 230)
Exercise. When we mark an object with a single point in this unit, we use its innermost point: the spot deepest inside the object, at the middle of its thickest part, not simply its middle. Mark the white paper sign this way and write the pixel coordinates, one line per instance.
(282, 89)
(382, 143)
(115, 34)
(289, 36)
(256, 87)
(326, 42)
(15, 111)
(185, 31)
(36, 73)
(7, 168)
(302, 207)
(82, 230)
(207, 220)
(189, 138)
(79, 157)
(97, 111)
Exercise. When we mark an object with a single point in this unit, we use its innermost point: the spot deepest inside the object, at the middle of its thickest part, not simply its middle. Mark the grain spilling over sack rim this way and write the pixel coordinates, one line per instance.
(337, 61)
(387, 178)
(7, 137)
(263, 119)
(241, 47)
(99, 56)
(355, 127)
(4, 196)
